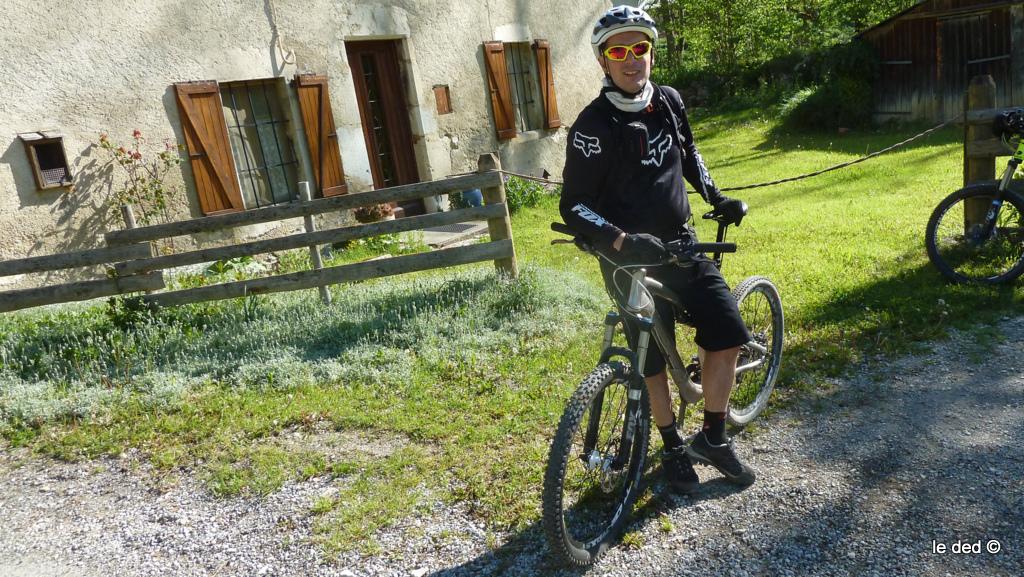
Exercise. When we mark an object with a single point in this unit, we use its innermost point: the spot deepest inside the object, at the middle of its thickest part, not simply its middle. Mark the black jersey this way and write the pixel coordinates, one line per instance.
(609, 190)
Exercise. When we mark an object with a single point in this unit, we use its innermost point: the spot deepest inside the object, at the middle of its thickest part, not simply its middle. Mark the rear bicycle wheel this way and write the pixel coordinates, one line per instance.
(587, 497)
(758, 365)
(970, 254)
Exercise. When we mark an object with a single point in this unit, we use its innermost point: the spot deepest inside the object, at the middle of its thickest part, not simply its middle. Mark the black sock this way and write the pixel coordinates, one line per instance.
(670, 435)
(714, 427)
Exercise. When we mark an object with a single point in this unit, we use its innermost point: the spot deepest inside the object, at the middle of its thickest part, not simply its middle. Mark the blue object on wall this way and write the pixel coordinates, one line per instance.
(473, 197)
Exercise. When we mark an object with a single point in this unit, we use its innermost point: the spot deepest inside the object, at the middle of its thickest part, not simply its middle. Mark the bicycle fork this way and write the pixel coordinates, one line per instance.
(635, 387)
(992, 214)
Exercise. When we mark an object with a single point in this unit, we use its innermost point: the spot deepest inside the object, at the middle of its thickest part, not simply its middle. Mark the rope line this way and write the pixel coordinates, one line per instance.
(849, 163)
(774, 182)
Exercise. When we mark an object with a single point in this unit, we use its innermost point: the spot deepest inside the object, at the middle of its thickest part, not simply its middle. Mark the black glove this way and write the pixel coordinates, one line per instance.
(730, 210)
(643, 248)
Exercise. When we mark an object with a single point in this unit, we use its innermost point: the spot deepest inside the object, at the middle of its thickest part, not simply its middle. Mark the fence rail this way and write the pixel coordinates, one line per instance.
(305, 239)
(299, 209)
(338, 274)
(78, 291)
(137, 269)
(80, 258)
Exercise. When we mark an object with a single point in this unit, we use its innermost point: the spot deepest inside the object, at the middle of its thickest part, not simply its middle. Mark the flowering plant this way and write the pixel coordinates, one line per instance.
(142, 176)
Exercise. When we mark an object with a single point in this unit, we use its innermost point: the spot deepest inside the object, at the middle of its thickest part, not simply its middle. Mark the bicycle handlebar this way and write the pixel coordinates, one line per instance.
(677, 248)
(1009, 123)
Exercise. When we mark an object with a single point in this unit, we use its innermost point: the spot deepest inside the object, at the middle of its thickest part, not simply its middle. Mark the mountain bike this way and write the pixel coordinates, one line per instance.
(976, 234)
(599, 452)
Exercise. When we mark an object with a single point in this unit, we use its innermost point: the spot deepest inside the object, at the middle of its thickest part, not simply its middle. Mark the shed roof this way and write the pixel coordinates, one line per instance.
(981, 4)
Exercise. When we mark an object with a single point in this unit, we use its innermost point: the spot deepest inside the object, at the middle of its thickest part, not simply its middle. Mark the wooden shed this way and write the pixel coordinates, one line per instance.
(930, 52)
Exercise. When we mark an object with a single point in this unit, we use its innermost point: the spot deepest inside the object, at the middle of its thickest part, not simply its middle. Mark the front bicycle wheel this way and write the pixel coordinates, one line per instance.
(970, 253)
(758, 365)
(588, 497)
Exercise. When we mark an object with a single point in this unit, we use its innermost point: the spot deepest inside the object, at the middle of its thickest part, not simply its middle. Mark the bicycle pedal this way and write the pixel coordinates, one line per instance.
(693, 372)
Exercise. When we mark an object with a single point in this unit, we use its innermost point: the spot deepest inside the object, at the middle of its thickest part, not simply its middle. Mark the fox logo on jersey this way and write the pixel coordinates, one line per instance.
(586, 144)
(659, 147)
(589, 215)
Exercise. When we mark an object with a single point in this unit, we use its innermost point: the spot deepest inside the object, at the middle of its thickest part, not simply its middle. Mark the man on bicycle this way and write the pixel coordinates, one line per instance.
(626, 158)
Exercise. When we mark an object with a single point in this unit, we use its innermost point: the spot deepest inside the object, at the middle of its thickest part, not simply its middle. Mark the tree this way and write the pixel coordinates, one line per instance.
(725, 36)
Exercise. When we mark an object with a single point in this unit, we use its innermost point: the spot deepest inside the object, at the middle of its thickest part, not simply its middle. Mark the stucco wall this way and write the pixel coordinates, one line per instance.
(109, 66)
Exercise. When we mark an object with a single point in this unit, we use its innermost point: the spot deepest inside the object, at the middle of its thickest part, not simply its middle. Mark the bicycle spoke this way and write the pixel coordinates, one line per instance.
(589, 506)
(971, 252)
(760, 310)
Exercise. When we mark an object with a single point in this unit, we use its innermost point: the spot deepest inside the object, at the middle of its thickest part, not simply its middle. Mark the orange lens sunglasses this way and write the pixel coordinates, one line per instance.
(618, 52)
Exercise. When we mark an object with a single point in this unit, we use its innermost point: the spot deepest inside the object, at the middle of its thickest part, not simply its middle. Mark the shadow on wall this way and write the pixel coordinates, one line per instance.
(77, 215)
(17, 158)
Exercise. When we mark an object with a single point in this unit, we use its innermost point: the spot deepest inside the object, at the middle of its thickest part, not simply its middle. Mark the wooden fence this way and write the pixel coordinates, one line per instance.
(136, 268)
(981, 145)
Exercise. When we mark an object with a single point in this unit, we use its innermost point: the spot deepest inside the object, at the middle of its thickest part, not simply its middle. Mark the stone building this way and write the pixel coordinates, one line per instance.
(261, 94)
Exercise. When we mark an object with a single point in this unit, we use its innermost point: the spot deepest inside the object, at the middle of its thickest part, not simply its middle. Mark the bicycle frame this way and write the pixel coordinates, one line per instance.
(640, 305)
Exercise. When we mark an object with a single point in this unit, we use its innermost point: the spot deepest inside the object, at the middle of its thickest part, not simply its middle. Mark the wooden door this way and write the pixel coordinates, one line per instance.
(973, 45)
(380, 93)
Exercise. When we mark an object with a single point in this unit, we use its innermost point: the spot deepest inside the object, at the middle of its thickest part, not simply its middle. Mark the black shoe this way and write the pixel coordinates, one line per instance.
(679, 471)
(721, 457)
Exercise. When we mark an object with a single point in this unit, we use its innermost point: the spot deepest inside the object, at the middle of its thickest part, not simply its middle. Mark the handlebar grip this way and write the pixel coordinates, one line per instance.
(562, 228)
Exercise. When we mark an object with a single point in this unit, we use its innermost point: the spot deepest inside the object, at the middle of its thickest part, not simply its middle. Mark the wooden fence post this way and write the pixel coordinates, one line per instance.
(981, 94)
(314, 250)
(500, 228)
(128, 214)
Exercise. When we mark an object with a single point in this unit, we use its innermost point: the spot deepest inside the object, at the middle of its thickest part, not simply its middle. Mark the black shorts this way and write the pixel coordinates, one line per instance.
(707, 299)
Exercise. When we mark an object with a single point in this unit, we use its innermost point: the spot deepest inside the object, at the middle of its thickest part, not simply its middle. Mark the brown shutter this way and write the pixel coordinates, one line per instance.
(501, 93)
(321, 136)
(546, 77)
(209, 151)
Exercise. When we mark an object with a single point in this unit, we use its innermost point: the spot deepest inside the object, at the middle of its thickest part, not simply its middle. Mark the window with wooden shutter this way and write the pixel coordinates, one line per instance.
(546, 78)
(265, 159)
(321, 136)
(209, 151)
(501, 94)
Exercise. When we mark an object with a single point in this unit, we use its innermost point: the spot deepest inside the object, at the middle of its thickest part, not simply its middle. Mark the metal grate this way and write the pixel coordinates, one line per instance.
(54, 175)
(452, 228)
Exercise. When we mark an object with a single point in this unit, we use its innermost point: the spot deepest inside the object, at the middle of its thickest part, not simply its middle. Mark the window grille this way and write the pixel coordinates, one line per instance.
(265, 159)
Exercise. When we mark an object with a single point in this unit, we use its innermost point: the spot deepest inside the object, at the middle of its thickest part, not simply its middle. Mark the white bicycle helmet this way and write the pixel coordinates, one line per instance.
(622, 19)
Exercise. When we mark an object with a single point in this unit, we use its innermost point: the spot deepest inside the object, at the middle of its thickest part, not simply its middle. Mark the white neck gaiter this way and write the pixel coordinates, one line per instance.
(625, 103)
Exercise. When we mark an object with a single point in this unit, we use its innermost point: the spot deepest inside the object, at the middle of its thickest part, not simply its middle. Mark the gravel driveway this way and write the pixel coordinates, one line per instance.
(886, 473)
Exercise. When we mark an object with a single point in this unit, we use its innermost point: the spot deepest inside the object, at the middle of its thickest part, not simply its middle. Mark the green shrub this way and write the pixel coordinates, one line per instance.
(520, 193)
(842, 102)
(126, 313)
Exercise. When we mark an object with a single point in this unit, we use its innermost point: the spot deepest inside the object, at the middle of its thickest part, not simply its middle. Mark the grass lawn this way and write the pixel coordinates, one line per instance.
(448, 384)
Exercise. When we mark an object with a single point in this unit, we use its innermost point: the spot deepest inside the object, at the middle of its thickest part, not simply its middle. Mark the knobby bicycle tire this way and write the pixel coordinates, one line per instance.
(761, 309)
(960, 254)
(584, 512)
